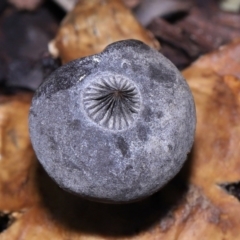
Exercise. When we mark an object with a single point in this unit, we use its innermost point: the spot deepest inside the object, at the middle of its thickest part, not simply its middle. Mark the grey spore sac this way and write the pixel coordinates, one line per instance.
(114, 127)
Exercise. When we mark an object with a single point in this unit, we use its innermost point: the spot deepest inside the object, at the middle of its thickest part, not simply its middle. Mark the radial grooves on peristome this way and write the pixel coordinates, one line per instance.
(112, 102)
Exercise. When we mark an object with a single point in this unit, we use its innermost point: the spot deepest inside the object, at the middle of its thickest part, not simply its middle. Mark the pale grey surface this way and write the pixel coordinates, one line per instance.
(97, 160)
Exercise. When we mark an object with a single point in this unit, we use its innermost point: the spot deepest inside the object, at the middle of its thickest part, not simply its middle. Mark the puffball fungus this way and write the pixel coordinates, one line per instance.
(116, 126)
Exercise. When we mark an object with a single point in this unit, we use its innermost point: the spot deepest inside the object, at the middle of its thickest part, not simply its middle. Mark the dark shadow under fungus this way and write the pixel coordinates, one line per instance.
(117, 220)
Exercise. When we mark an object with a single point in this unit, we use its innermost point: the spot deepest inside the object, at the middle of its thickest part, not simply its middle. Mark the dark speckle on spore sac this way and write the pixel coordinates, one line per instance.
(142, 132)
(125, 65)
(170, 147)
(32, 112)
(123, 146)
(129, 167)
(75, 125)
(136, 68)
(53, 143)
(147, 113)
(162, 76)
(159, 114)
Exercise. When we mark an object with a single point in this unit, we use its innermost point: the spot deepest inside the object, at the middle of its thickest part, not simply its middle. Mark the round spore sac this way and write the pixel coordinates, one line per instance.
(116, 126)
